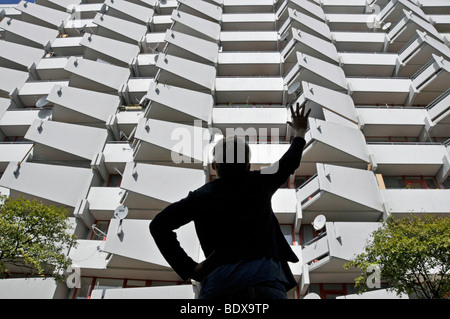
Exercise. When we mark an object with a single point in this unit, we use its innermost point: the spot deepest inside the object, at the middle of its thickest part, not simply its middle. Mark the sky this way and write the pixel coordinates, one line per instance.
(12, 1)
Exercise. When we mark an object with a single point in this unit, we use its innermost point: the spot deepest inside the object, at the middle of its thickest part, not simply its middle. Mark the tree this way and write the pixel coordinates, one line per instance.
(412, 254)
(34, 237)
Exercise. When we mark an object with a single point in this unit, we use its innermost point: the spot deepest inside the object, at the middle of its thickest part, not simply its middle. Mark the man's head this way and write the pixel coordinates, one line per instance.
(231, 156)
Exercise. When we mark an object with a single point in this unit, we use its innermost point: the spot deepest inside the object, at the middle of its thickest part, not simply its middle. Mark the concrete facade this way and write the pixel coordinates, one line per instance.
(119, 102)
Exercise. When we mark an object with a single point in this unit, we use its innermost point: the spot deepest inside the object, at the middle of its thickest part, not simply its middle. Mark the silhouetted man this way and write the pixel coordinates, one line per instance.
(246, 252)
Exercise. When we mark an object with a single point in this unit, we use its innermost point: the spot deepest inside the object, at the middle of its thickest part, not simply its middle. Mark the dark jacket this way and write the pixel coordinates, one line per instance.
(233, 218)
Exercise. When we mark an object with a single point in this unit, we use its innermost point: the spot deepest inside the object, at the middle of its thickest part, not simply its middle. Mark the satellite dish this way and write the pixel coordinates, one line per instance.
(312, 295)
(319, 222)
(386, 26)
(121, 212)
(294, 87)
(42, 102)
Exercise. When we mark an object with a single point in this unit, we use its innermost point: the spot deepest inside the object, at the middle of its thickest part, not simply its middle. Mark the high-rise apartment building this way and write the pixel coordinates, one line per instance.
(110, 103)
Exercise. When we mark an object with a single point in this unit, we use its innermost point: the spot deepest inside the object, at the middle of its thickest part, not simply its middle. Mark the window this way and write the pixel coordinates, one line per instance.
(307, 233)
(391, 139)
(288, 232)
(114, 180)
(447, 183)
(299, 180)
(411, 182)
(101, 226)
(14, 139)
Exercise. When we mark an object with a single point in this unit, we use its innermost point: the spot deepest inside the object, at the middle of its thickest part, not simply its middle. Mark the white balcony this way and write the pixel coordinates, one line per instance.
(195, 26)
(11, 81)
(120, 29)
(341, 22)
(439, 111)
(134, 250)
(284, 206)
(117, 155)
(26, 33)
(146, 65)
(170, 143)
(341, 194)
(333, 143)
(64, 185)
(185, 73)
(385, 122)
(308, 8)
(161, 292)
(394, 10)
(341, 241)
(85, 11)
(135, 89)
(127, 121)
(264, 155)
(42, 15)
(161, 23)
(370, 91)
(31, 92)
(348, 6)
(360, 41)
(403, 202)
(57, 141)
(129, 11)
(405, 29)
(96, 76)
(175, 104)
(102, 202)
(75, 27)
(308, 44)
(61, 5)
(249, 41)
(368, 64)
(201, 9)
(52, 69)
(254, 122)
(434, 6)
(152, 187)
(16, 121)
(249, 64)
(430, 81)
(327, 104)
(12, 152)
(190, 47)
(90, 257)
(109, 50)
(248, 90)
(19, 57)
(32, 288)
(163, 8)
(408, 159)
(69, 46)
(306, 24)
(441, 22)
(247, 6)
(317, 71)
(153, 42)
(79, 106)
(376, 294)
(248, 22)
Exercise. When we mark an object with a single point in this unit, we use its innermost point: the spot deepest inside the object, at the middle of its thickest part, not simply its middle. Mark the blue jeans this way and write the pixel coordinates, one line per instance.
(270, 290)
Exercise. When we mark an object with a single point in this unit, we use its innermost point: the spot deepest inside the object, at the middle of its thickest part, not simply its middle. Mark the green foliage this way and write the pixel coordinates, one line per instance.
(34, 238)
(412, 254)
